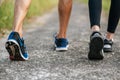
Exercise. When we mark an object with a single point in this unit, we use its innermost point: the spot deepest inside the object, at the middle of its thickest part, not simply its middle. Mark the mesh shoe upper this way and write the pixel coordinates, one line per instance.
(15, 36)
(62, 42)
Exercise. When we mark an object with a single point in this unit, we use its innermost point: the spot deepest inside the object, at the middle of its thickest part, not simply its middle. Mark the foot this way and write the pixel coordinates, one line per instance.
(61, 44)
(108, 45)
(16, 47)
(96, 46)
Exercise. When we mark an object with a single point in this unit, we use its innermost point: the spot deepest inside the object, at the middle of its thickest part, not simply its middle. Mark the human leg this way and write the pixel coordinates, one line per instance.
(96, 39)
(20, 11)
(64, 9)
(15, 43)
(114, 16)
(95, 7)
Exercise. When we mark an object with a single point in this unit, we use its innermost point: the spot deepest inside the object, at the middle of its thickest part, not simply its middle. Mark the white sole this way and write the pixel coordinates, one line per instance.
(62, 48)
(11, 40)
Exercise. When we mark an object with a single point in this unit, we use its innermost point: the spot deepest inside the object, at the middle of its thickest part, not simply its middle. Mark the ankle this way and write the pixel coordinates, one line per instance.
(61, 36)
(95, 28)
(109, 36)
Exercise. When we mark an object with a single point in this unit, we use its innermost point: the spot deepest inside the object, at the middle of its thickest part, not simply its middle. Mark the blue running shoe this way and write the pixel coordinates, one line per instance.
(16, 47)
(61, 44)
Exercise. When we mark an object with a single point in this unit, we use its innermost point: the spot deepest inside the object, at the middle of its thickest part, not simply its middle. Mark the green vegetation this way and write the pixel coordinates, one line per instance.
(6, 14)
(37, 7)
(106, 5)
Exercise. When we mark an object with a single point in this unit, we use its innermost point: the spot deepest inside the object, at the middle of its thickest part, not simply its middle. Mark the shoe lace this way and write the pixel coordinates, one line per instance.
(61, 42)
(23, 47)
(109, 42)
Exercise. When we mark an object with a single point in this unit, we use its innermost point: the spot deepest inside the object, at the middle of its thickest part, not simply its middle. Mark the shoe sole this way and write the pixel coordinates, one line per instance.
(96, 46)
(14, 51)
(61, 48)
(107, 50)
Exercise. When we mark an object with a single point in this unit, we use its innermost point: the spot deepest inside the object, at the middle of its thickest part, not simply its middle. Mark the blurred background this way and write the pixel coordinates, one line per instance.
(38, 7)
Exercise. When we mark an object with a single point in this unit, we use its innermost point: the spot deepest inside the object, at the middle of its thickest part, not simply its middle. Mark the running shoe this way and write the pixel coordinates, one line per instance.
(61, 44)
(108, 45)
(96, 46)
(16, 47)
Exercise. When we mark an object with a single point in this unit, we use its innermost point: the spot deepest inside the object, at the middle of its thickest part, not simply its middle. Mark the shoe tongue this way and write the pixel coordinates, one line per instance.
(62, 39)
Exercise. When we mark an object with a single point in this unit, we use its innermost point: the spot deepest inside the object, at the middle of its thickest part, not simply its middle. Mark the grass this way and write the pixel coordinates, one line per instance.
(37, 7)
(6, 14)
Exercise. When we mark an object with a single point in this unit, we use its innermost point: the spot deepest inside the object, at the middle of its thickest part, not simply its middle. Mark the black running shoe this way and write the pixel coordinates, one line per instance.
(16, 47)
(96, 46)
(108, 45)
